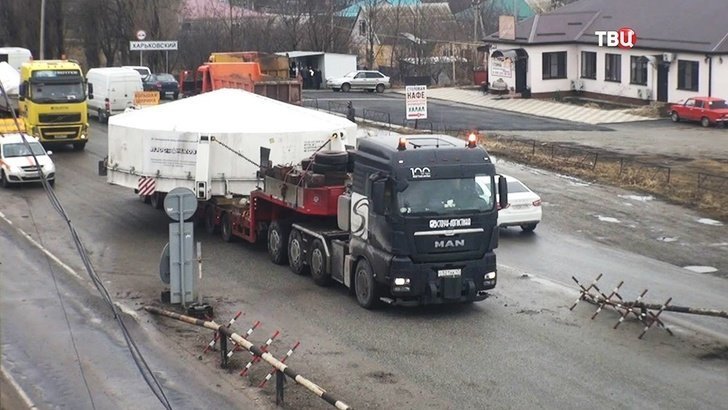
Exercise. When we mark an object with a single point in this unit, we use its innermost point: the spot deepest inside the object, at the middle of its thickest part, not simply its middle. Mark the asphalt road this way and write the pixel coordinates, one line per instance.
(440, 114)
(522, 348)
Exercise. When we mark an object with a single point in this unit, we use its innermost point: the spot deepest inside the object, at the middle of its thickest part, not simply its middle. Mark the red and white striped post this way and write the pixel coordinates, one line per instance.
(283, 360)
(211, 345)
(263, 348)
(245, 336)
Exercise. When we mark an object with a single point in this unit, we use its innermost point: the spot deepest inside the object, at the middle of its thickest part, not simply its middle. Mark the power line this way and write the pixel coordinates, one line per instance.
(141, 364)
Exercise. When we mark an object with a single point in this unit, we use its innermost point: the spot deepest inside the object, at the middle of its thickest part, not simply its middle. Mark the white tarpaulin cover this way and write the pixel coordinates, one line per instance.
(10, 78)
(161, 141)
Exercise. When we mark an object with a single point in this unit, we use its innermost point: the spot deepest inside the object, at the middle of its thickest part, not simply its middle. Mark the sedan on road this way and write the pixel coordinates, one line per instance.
(164, 83)
(707, 110)
(360, 80)
(523, 209)
(17, 164)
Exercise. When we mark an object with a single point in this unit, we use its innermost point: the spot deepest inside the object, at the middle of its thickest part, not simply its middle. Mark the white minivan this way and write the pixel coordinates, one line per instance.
(113, 90)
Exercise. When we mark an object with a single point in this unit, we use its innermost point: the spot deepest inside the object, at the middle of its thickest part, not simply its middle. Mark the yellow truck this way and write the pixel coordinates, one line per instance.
(52, 102)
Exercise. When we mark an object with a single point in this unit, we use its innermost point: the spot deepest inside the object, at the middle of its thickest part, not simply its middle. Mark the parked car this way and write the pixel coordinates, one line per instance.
(164, 83)
(143, 71)
(360, 80)
(707, 110)
(524, 206)
(17, 165)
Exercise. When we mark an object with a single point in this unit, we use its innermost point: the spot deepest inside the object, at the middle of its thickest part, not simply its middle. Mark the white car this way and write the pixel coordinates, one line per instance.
(360, 80)
(524, 207)
(16, 162)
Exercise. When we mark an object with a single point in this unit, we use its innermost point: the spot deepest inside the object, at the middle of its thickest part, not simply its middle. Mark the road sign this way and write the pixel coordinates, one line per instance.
(180, 202)
(143, 98)
(416, 102)
(152, 45)
(141, 35)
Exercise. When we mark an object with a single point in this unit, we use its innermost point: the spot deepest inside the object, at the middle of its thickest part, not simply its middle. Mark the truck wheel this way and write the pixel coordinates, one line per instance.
(346, 87)
(317, 261)
(156, 200)
(79, 146)
(296, 253)
(226, 228)
(364, 285)
(277, 240)
(380, 88)
(210, 225)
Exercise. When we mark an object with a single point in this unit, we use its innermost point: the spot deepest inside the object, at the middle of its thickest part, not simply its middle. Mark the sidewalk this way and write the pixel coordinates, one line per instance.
(543, 108)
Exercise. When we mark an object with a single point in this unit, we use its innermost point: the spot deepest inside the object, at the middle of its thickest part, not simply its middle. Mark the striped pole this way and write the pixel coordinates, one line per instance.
(630, 309)
(584, 291)
(255, 358)
(608, 299)
(282, 367)
(246, 336)
(283, 360)
(655, 319)
(211, 345)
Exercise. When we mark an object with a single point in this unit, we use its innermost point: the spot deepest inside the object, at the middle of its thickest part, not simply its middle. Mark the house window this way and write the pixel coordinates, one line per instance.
(613, 67)
(363, 28)
(638, 70)
(554, 65)
(687, 75)
(589, 65)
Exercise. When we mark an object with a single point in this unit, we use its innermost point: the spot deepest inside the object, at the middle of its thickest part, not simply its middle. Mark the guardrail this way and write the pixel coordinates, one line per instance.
(377, 116)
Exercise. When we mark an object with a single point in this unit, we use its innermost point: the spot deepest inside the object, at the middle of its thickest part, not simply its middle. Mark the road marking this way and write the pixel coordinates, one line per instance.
(126, 309)
(23, 396)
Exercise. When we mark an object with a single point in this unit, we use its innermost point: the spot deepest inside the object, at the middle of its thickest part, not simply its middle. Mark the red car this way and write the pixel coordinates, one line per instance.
(707, 110)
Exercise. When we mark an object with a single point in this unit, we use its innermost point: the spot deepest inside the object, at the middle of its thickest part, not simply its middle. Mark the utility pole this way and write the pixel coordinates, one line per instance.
(42, 29)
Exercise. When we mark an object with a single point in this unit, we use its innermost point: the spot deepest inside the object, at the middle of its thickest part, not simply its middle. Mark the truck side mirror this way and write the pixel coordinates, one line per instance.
(502, 192)
(90, 91)
(21, 91)
(377, 196)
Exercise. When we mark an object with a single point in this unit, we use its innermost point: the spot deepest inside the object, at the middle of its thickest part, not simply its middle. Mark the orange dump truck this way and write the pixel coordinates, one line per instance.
(261, 75)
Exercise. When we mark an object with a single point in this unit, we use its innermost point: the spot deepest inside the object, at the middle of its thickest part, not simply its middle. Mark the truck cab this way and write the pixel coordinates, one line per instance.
(422, 230)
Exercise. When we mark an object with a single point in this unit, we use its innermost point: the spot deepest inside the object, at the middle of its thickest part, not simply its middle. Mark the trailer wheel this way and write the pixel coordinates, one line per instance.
(277, 240)
(210, 225)
(317, 261)
(156, 200)
(226, 228)
(296, 253)
(364, 285)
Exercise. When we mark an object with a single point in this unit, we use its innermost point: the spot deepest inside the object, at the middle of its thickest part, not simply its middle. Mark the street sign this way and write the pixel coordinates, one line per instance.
(141, 35)
(416, 102)
(152, 45)
(180, 202)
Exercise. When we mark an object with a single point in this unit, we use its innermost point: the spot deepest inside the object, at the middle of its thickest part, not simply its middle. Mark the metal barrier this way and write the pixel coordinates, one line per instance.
(335, 106)
(377, 116)
(311, 103)
(280, 368)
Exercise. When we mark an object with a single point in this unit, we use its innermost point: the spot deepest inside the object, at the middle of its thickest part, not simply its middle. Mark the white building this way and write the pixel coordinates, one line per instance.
(681, 51)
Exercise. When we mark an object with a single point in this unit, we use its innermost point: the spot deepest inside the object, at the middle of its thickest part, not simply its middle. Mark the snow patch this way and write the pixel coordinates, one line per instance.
(627, 203)
(666, 239)
(637, 197)
(608, 219)
(719, 244)
(573, 181)
(708, 221)
(701, 269)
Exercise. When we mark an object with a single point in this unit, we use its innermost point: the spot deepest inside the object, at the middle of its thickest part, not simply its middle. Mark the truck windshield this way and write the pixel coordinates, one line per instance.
(447, 196)
(20, 150)
(57, 92)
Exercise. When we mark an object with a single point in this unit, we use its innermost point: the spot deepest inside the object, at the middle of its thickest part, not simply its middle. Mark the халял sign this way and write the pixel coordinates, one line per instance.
(416, 102)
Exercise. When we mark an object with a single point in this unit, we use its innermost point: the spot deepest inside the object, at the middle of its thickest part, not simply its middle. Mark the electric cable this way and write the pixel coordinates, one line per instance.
(141, 364)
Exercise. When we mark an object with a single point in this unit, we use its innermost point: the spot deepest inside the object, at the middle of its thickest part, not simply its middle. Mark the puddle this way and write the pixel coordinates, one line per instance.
(708, 221)
(701, 269)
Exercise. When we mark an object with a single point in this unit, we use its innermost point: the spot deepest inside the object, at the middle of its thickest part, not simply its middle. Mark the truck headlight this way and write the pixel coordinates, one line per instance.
(401, 281)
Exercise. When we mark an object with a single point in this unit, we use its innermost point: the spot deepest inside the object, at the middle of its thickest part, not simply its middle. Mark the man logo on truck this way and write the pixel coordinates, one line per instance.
(457, 243)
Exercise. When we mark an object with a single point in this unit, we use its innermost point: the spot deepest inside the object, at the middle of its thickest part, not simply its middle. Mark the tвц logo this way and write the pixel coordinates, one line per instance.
(625, 37)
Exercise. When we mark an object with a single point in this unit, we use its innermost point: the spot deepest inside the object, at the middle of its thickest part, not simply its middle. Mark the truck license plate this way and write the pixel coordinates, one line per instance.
(448, 273)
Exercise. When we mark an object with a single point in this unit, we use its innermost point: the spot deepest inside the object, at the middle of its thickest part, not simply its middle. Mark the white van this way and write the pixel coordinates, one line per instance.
(113, 90)
(15, 56)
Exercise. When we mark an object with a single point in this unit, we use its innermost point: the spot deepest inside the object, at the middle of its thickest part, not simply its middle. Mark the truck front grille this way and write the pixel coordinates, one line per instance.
(59, 133)
(59, 118)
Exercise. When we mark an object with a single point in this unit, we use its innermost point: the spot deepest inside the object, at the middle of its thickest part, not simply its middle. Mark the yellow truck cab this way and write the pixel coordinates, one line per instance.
(52, 101)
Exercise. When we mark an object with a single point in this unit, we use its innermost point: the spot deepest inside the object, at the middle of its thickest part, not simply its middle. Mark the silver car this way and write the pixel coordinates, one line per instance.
(360, 80)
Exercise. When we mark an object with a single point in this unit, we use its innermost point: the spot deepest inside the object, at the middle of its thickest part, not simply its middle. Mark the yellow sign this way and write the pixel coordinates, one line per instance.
(7, 126)
(142, 98)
